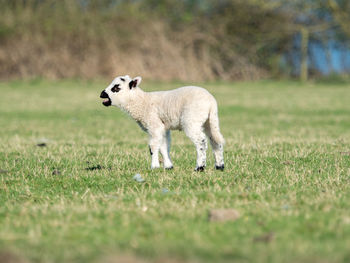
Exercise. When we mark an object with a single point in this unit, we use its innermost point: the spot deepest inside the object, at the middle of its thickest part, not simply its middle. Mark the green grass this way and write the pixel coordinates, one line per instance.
(287, 172)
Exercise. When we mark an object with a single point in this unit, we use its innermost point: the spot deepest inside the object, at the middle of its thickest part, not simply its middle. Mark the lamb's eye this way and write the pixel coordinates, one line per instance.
(115, 88)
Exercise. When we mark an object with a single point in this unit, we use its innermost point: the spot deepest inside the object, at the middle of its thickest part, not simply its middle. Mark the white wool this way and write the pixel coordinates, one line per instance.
(191, 109)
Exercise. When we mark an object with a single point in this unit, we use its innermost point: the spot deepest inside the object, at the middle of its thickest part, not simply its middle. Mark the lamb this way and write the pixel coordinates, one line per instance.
(191, 109)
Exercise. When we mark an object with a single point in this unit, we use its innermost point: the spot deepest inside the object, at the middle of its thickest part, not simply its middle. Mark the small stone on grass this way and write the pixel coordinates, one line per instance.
(165, 191)
(56, 172)
(138, 178)
(223, 215)
(9, 257)
(42, 142)
(93, 168)
(265, 238)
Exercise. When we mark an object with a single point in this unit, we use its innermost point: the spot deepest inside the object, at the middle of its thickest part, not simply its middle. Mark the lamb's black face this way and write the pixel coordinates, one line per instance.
(107, 102)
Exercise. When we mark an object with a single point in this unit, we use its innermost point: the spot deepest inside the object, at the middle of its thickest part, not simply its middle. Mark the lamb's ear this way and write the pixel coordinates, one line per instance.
(135, 82)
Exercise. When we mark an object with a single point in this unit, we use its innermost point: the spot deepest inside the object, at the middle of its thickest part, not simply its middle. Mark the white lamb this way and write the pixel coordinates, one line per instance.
(191, 109)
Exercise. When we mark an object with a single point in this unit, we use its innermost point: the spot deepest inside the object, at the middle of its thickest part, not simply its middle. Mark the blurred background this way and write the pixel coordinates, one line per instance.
(188, 40)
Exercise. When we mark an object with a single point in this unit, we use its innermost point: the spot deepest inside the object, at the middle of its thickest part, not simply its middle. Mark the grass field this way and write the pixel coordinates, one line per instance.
(74, 200)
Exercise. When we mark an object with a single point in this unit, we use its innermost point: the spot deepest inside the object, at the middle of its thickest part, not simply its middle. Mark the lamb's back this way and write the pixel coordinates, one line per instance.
(172, 104)
(182, 96)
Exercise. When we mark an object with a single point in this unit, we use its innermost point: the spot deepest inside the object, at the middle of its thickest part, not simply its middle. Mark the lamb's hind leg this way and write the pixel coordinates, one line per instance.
(165, 150)
(217, 147)
(197, 136)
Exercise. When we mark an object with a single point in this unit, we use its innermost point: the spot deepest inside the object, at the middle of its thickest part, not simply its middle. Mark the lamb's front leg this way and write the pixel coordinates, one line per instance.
(155, 142)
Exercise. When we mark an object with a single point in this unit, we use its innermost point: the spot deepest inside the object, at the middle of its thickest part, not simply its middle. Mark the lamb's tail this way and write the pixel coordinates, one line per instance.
(214, 128)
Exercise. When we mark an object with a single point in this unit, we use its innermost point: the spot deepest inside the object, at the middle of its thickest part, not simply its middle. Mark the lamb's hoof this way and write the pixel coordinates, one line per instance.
(169, 168)
(199, 169)
(221, 167)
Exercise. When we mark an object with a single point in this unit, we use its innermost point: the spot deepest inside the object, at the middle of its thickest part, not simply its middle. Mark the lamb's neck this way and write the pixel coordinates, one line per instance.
(136, 105)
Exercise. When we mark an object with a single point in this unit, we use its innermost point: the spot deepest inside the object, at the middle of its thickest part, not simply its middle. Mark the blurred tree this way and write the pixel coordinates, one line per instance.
(234, 39)
(340, 11)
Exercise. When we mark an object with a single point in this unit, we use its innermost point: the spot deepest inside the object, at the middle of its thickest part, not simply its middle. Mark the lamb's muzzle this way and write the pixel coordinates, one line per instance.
(107, 102)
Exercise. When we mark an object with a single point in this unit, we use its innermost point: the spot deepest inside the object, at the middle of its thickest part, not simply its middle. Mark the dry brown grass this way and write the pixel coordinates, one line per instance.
(74, 44)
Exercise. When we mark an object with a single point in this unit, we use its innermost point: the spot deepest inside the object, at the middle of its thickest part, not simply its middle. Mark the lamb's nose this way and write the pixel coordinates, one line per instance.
(104, 95)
